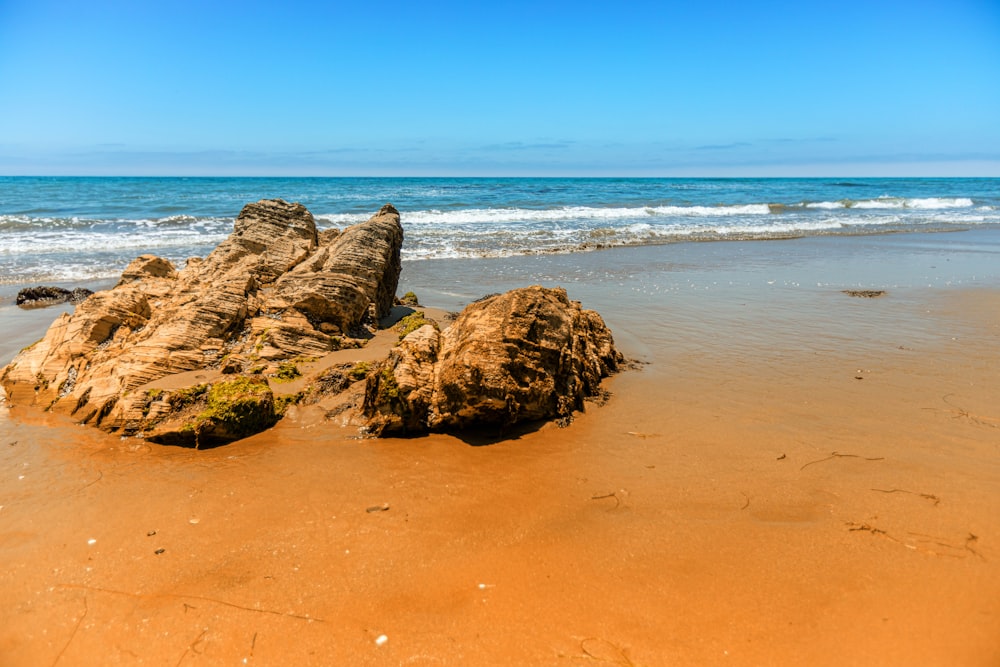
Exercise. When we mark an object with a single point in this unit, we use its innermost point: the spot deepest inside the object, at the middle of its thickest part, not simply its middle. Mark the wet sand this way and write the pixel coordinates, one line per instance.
(794, 476)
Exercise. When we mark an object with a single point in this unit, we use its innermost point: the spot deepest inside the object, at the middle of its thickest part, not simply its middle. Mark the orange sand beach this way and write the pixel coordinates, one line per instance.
(793, 476)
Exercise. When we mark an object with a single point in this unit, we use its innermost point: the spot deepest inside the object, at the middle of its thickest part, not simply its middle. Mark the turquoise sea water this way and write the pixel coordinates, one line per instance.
(56, 229)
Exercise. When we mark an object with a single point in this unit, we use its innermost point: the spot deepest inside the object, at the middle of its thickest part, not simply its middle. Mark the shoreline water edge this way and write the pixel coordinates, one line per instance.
(794, 474)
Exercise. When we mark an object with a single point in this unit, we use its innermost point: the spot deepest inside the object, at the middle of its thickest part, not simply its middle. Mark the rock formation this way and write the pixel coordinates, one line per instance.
(40, 297)
(188, 356)
(529, 354)
(273, 290)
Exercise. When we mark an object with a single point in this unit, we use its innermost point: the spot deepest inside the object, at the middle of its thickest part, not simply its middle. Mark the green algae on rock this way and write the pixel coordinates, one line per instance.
(216, 414)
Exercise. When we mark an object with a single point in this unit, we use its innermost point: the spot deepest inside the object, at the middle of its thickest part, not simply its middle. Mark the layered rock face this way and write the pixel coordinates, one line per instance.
(273, 290)
(337, 286)
(526, 355)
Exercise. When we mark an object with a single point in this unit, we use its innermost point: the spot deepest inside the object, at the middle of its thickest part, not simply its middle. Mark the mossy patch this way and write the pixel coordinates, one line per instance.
(151, 396)
(281, 403)
(388, 388)
(238, 408)
(384, 402)
(360, 370)
(184, 397)
(332, 381)
(287, 371)
(412, 322)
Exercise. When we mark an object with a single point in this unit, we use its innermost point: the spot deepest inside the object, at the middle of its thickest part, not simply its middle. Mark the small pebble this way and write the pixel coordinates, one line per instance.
(159, 551)
(151, 533)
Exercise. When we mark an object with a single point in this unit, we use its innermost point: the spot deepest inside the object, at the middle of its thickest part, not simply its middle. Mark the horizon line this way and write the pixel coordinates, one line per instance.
(511, 176)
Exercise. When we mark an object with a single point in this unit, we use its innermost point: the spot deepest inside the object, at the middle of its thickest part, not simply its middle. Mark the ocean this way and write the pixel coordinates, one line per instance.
(64, 230)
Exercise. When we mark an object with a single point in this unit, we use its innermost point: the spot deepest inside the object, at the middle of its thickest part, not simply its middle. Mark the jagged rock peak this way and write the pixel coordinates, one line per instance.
(277, 234)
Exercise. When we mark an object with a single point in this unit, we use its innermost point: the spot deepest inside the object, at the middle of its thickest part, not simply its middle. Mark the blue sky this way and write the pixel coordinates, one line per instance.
(514, 88)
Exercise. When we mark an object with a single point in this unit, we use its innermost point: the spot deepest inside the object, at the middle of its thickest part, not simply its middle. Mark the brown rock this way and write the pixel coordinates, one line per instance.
(270, 289)
(211, 414)
(232, 364)
(269, 238)
(529, 354)
(147, 266)
(355, 276)
(398, 395)
(41, 296)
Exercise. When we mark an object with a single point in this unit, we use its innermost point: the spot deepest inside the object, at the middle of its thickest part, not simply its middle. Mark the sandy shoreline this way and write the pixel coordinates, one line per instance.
(795, 476)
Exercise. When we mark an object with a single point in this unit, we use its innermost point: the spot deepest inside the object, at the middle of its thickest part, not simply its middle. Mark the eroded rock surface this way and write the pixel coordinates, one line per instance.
(529, 354)
(273, 290)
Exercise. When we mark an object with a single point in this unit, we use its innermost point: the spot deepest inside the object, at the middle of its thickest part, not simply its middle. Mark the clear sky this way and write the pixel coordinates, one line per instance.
(717, 87)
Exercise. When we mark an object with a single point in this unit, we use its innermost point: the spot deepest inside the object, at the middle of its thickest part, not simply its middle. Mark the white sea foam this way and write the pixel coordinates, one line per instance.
(499, 243)
(745, 229)
(869, 220)
(928, 203)
(939, 202)
(467, 218)
(565, 213)
(959, 219)
(925, 204)
(83, 242)
(179, 221)
(826, 204)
